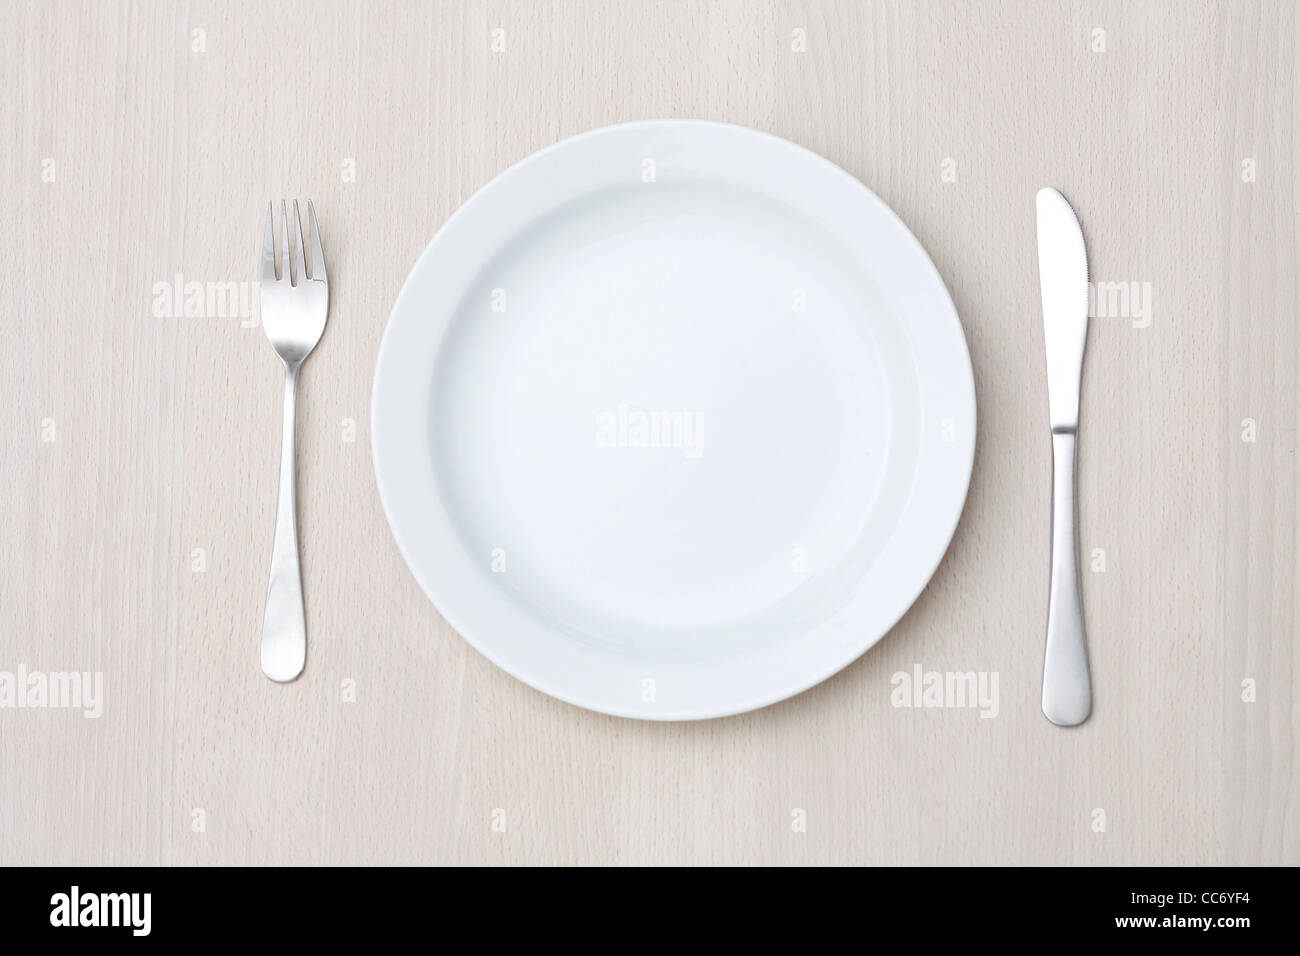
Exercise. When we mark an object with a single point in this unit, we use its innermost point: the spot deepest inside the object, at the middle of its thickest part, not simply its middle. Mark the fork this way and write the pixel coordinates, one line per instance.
(293, 306)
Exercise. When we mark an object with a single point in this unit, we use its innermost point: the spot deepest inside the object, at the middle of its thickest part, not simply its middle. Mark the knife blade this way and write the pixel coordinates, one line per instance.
(1063, 279)
(1063, 282)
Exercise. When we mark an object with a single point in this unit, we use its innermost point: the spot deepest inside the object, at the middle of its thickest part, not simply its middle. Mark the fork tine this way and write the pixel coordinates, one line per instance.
(285, 270)
(317, 253)
(268, 246)
(297, 245)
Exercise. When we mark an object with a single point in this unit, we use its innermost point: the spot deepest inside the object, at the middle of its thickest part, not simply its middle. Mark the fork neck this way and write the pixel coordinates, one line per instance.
(290, 415)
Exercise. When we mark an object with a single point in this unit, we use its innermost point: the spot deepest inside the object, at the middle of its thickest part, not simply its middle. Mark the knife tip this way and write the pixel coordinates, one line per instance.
(1049, 195)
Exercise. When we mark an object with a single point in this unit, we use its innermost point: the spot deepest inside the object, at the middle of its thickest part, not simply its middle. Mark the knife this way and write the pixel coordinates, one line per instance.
(1063, 279)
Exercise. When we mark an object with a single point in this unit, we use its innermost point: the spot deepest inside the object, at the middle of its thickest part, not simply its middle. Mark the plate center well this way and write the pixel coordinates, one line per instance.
(665, 412)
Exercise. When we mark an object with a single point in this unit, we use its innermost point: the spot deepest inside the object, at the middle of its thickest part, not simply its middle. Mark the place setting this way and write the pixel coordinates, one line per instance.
(675, 419)
(631, 434)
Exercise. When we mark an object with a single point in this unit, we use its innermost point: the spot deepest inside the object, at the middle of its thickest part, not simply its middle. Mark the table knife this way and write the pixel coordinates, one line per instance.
(1063, 279)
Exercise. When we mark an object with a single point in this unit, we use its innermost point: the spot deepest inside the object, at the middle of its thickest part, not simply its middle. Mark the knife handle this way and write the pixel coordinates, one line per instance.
(1067, 696)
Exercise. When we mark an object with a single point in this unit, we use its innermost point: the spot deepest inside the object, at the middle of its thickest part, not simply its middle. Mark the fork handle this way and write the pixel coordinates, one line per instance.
(1067, 696)
(284, 626)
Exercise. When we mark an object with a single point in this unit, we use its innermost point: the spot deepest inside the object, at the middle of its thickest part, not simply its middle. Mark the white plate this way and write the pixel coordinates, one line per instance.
(673, 420)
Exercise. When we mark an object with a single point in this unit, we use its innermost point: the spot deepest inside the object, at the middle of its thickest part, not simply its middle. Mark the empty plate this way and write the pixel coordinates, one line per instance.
(673, 419)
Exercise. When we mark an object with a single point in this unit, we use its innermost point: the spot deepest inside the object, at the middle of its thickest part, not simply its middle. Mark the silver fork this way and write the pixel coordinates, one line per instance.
(294, 306)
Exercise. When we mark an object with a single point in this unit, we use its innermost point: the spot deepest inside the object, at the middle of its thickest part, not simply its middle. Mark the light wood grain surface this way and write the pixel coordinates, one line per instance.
(141, 142)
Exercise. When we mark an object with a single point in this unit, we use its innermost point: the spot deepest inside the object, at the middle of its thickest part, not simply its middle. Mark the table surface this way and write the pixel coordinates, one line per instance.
(141, 142)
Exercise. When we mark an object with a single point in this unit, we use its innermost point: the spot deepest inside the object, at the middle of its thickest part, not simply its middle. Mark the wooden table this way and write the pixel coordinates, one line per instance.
(140, 441)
